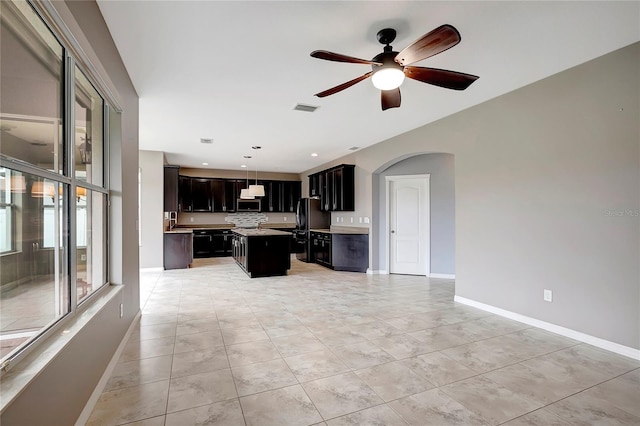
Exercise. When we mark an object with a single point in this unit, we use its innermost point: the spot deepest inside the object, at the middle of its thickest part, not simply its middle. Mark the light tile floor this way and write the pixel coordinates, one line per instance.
(214, 347)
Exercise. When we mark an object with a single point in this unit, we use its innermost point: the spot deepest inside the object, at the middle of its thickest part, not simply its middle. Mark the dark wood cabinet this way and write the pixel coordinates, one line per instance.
(262, 255)
(171, 188)
(222, 243)
(350, 252)
(223, 193)
(177, 250)
(340, 251)
(321, 248)
(335, 187)
(201, 195)
(291, 194)
(314, 185)
(184, 194)
(211, 243)
(213, 195)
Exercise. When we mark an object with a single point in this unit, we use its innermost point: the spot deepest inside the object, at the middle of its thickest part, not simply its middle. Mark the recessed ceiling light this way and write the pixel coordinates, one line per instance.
(205, 164)
(315, 154)
(354, 148)
(206, 140)
(244, 166)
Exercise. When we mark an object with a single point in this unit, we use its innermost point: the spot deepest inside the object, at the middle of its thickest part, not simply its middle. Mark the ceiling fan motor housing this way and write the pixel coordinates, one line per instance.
(387, 59)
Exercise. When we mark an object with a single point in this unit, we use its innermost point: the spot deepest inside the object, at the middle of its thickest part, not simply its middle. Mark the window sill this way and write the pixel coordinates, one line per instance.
(25, 370)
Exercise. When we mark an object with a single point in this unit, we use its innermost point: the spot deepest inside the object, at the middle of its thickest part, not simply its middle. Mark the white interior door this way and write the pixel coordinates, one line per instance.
(408, 225)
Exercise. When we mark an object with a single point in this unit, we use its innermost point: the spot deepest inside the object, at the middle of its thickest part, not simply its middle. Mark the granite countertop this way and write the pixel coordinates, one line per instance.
(288, 225)
(354, 230)
(253, 232)
(206, 226)
(179, 231)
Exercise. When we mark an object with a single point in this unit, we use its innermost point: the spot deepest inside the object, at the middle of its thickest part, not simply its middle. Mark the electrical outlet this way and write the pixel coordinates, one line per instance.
(285, 218)
(366, 220)
(548, 295)
(191, 219)
(121, 310)
(83, 257)
(352, 220)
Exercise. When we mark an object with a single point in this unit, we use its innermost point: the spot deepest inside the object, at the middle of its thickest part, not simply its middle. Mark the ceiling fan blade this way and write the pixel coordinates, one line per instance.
(343, 85)
(337, 57)
(437, 41)
(442, 78)
(390, 98)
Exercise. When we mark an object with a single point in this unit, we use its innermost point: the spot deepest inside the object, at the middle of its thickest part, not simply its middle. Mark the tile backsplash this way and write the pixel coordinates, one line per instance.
(222, 218)
(246, 220)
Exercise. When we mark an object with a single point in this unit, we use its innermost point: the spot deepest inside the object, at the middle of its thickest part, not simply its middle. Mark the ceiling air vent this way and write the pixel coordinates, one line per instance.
(354, 148)
(305, 108)
(206, 141)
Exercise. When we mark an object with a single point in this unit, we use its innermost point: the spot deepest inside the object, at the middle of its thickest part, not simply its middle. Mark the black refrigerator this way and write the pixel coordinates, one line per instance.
(308, 216)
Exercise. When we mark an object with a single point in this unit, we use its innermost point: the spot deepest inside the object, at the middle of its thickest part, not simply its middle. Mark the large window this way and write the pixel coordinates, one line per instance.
(53, 194)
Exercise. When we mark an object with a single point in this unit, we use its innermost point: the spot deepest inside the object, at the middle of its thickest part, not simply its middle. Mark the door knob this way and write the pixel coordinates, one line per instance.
(393, 232)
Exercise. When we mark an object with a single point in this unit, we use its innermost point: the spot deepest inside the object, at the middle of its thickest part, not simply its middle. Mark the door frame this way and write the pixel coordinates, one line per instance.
(425, 217)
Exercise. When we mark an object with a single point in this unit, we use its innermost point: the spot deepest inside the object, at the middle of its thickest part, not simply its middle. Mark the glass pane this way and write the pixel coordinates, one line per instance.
(33, 277)
(90, 239)
(89, 131)
(31, 70)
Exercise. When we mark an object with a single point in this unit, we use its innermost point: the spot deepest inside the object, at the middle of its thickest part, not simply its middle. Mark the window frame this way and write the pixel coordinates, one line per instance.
(73, 60)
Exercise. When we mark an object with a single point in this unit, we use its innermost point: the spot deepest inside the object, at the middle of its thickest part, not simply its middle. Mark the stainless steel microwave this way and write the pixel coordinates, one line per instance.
(248, 205)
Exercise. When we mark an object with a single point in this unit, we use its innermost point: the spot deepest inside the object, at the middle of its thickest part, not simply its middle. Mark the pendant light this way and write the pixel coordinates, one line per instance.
(256, 190)
(244, 193)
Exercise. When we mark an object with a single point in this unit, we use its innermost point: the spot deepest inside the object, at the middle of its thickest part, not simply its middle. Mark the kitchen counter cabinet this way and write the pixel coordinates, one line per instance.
(177, 249)
(262, 252)
(340, 251)
(171, 188)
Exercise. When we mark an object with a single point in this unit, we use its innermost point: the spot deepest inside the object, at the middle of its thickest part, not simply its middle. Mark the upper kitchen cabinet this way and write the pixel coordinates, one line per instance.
(291, 193)
(335, 187)
(281, 196)
(201, 195)
(224, 195)
(184, 194)
(171, 188)
(314, 185)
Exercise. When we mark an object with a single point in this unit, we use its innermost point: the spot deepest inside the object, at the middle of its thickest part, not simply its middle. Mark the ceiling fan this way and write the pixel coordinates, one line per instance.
(389, 68)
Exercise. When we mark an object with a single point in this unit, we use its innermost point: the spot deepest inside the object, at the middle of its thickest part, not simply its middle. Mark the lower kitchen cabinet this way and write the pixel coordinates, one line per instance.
(177, 250)
(341, 252)
(222, 241)
(262, 255)
(350, 252)
(211, 243)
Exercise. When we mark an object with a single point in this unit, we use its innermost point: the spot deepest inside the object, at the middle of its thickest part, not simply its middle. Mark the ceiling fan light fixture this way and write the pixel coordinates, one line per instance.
(388, 78)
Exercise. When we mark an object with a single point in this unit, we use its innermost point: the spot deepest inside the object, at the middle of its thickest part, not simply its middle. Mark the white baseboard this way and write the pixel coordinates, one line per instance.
(567, 332)
(377, 272)
(446, 276)
(95, 395)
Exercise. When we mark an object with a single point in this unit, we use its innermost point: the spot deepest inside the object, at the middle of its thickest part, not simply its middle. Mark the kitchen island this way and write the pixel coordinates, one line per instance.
(262, 252)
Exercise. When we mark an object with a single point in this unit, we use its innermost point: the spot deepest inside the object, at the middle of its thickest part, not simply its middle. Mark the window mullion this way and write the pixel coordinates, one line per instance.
(69, 143)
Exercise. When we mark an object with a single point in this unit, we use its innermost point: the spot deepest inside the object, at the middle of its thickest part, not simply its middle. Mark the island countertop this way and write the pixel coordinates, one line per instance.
(253, 232)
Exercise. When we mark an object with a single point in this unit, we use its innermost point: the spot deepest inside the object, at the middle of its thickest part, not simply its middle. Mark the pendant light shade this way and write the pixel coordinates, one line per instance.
(256, 190)
(245, 194)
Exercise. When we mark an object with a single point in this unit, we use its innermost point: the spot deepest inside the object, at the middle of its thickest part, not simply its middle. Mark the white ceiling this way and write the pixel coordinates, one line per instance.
(233, 71)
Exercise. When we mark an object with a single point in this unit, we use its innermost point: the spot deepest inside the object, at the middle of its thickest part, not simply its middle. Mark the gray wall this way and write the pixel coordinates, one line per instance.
(440, 167)
(547, 184)
(151, 208)
(60, 391)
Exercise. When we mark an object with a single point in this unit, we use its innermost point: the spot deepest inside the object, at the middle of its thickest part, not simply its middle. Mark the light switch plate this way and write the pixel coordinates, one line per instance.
(548, 295)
